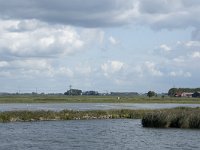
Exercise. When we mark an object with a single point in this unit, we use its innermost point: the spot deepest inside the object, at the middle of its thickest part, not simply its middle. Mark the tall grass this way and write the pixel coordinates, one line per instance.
(173, 118)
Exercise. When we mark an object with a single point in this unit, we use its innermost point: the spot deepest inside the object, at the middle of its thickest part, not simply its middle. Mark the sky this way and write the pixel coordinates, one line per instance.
(101, 45)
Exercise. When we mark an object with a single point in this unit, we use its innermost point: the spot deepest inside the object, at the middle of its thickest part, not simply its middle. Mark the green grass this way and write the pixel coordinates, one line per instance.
(94, 99)
(173, 118)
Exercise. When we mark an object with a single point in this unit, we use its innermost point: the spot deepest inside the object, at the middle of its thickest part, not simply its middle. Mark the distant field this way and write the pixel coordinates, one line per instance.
(94, 99)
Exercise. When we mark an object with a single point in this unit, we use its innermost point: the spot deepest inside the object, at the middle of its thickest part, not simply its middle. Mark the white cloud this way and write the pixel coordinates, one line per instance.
(138, 70)
(91, 35)
(165, 48)
(3, 64)
(196, 54)
(23, 25)
(44, 41)
(112, 67)
(183, 55)
(193, 44)
(85, 70)
(37, 64)
(64, 71)
(112, 40)
(151, 68)
(187, 74)
(179, 60)
(34, 68)
(180, 73)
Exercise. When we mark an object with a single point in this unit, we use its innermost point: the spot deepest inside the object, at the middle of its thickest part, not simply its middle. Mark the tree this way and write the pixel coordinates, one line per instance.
(151, 94)
(172, 91)
(90, 93)
(73, 92)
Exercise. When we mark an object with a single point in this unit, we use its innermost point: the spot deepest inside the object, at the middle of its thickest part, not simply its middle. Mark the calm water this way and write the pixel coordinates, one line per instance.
(88, 106)
(95, 135)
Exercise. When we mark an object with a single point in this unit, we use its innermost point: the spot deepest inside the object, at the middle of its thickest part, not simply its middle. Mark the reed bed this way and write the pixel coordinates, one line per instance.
(173, 118)
(13, 116)
(165, 118)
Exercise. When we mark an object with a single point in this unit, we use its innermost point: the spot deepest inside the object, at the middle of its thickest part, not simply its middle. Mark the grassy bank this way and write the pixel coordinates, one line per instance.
(173, 118)
(14, 116)
(94, 99)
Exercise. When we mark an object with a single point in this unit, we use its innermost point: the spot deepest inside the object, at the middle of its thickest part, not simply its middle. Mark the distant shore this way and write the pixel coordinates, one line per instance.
(96, 99)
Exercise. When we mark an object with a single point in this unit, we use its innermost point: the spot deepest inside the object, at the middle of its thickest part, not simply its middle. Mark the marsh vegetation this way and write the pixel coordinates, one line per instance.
(173, 118)
(181, 117)
(13, 116)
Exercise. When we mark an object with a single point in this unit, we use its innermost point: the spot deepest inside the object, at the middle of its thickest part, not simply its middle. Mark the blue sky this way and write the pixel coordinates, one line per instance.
(139, 45)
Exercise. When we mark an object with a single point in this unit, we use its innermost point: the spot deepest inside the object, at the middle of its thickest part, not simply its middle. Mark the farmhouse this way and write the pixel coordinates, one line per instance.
(196, 94)
(183, 94)
(186, 94)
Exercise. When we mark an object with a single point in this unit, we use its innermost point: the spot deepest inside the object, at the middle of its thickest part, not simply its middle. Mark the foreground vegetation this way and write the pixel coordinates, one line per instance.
(173, 118)
(94, 99)
(177, 118)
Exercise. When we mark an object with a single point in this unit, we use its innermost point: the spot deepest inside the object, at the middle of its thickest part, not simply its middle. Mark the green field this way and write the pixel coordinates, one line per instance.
(94, 99)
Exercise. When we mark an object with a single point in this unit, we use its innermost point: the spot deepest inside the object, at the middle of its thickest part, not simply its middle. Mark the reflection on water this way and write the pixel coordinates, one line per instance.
(89, 106)
(94, 134)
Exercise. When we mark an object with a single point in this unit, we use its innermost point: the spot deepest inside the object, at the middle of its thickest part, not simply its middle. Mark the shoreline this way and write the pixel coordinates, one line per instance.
(95, 99)
(181, 117)
(41, 115)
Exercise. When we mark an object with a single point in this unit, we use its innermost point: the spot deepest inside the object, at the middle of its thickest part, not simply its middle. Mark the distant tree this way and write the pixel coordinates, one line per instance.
(151, 94)
(172, 91)
(90, 93)
(34, 93)
(73, 92)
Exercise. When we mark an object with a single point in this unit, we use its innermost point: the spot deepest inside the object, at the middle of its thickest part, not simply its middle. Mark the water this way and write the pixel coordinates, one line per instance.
(95, 135)
(89, 106)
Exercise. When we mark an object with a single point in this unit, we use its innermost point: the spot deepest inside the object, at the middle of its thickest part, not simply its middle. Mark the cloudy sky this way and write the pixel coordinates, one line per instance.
(103, 45)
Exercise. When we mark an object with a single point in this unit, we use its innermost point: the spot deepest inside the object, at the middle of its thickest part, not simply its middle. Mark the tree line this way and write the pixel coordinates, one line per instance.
(74, 92)
(174, 91)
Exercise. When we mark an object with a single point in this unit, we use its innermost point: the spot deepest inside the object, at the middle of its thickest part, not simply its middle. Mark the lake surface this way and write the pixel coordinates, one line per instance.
(95, 135)
(89, 106)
